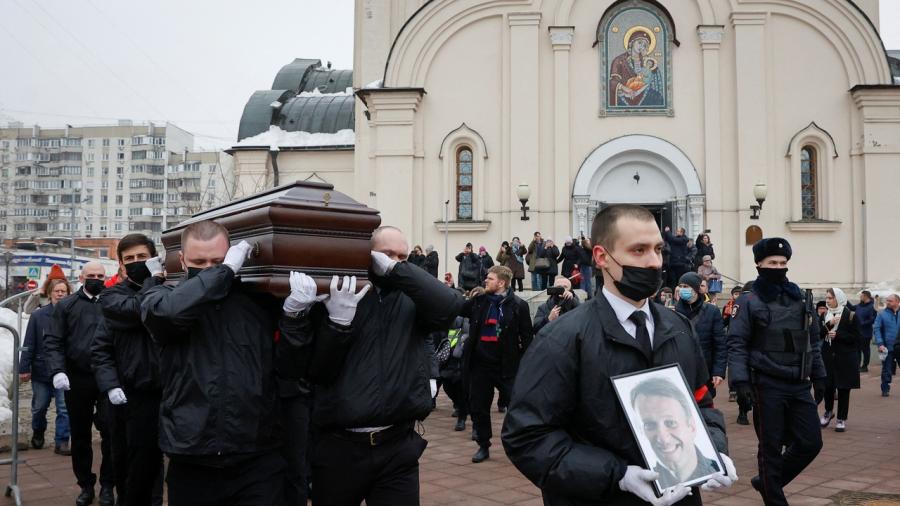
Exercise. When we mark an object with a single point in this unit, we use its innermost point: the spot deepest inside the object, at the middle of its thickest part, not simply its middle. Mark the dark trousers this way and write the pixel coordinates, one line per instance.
(784, 413)
(295, 412)
(483, 378)
(843, 395)
(865, 347)
(888, 369)
(136, 453)
(254, 481)
(347, 472)
(457, 393)
(87, 406)
(520, 283)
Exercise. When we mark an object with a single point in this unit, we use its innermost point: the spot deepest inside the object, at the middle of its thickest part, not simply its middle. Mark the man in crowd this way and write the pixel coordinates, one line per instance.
(679, 254)
(708, 327)
(773, 359)
(566, 430)
(470, 268)
(125, 361)
(668, 423)
(218, 417)
(500, 331)
(366, 409)
(887, 325)
(535, 250)
(561, 300)
(68, 345)
(865, 315)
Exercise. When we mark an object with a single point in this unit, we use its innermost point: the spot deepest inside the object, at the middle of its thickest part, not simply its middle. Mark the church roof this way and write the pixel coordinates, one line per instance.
(305, 97)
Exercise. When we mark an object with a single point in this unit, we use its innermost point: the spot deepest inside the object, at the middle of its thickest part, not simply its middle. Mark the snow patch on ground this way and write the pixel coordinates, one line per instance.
(275, 137)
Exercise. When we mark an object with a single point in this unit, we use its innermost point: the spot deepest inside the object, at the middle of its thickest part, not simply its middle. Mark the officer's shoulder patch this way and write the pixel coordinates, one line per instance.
(734, 310)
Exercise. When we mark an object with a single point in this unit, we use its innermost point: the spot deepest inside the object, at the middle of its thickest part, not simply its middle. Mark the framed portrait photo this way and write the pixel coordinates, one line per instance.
(667, 425)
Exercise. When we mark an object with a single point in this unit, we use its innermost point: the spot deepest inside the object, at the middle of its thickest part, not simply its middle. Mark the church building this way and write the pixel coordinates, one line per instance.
(743, 118)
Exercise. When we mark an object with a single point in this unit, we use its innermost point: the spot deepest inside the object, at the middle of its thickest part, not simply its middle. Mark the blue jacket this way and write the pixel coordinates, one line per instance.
(710, 331)
(887, 323)
(865, 317)
(33, 358)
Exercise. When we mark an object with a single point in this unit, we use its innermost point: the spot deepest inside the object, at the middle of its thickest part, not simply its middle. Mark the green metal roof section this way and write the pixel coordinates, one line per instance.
(317, 114)
(259, 113)
(292, 75)
(328, 80)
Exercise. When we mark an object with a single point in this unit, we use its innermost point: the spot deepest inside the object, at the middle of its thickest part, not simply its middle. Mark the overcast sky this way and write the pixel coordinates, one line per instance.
(192, 62)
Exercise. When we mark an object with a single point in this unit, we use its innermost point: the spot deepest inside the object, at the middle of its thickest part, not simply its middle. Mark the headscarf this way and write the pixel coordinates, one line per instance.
(836, 312)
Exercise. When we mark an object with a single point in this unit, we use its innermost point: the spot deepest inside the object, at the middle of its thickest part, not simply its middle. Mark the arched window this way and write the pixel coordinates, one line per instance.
(464, 183)
(809, 193)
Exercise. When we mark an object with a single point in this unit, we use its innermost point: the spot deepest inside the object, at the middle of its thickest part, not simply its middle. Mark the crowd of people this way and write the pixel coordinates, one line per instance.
(260, 400)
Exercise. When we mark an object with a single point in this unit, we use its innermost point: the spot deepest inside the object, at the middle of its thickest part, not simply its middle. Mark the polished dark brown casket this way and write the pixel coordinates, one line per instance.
(303, 226)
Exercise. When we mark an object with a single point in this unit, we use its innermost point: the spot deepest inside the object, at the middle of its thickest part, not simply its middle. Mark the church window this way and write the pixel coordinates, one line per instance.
(464, 183)
(808, 183)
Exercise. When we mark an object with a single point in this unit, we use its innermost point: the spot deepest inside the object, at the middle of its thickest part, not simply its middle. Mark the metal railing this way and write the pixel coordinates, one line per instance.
(12, 489)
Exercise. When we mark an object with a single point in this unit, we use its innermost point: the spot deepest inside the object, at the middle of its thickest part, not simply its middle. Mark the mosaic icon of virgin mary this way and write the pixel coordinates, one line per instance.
(634, 77)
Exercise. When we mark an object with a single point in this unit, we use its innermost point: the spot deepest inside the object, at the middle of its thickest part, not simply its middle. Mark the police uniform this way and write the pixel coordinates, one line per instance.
(774, 358)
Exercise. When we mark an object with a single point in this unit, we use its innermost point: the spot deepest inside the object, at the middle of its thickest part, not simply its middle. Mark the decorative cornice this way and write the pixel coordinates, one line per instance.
(748, 18)
(463, 226)
(813, 226)
(710, 34)
(562, 35)
(524, 18)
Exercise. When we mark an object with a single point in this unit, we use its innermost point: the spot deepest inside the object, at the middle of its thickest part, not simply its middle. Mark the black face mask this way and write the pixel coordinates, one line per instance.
(94, 286)
(193, 271)
(773, 276)
(637, 283)
(137, 272)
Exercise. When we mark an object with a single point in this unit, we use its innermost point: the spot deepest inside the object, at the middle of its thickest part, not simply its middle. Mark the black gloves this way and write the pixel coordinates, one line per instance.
(818, 390)
(745, 392)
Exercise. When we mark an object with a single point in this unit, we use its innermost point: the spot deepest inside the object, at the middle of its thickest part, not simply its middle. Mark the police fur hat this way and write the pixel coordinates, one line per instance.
(692, 279)
(771, 246)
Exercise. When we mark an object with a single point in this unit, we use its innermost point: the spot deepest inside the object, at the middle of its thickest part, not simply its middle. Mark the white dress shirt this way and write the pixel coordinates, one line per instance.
(623, 310)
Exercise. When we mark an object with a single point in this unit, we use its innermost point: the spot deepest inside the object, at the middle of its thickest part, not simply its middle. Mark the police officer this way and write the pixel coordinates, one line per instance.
(773, 357)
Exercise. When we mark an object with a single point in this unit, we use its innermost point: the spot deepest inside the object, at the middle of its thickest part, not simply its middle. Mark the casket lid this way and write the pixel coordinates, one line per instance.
(299, 194)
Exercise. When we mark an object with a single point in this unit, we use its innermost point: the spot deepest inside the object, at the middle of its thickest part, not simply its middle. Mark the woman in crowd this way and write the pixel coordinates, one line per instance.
(417, 257)
(570, 256)
(551, 253)
(704, 247)
(840, 352)
(486, 261)
(34, 367)
(511, 255)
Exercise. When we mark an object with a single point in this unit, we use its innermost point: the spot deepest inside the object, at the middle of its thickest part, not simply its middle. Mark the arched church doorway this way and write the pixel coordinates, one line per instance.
(643, 170)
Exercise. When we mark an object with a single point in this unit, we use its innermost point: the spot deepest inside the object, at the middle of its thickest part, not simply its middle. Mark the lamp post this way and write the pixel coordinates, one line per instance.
(760, 190)
(524, 193)
(8, 257)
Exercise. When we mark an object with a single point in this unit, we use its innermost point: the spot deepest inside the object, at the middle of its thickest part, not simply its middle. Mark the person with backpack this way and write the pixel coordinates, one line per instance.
(449, 356)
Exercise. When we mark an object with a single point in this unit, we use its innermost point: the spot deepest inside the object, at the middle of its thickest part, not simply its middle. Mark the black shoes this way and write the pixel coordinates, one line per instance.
(481, 455)
(455, 413)
(864, 369)
(85, 497)
(742, 419)
(37, 440)
(474, 432)
(460, 425)
(106, 496)
(756, 484)
(63, 449)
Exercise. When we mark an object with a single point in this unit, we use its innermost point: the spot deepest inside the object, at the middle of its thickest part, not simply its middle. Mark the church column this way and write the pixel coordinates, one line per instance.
(583, 219)
(710, 42)
(392, 113)
(524, 119)
(695, 204)
(561, 38)
(752, 128)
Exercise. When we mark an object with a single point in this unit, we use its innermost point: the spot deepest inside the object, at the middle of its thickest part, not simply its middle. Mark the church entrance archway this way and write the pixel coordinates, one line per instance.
(643, 170)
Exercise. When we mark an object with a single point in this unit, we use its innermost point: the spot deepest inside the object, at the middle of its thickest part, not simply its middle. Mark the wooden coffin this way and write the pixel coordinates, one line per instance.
(303, 226)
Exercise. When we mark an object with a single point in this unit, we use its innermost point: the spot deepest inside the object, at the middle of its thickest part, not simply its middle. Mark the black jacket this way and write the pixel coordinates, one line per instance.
(551, 254)
(217, 364)
(471, 270)
(841, 356)
(570, 257)
(123, 354)
(383, 379)
(417, 260)
(431, 263)
(34, 356)
(542, 316)
(710, 331)
(70, 336)
(515, 331)
(679, 254)
(565, 429)
(751, 314)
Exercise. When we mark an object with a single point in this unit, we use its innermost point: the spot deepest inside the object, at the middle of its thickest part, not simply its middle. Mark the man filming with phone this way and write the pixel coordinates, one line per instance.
(561, 300)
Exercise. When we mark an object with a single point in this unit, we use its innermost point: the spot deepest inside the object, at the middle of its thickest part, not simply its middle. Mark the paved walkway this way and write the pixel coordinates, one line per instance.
(859, 461)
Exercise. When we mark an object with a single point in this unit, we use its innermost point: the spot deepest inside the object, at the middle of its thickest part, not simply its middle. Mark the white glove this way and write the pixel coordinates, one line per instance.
(116, 396)
(433, 384)
(382, 265)
(155, 266)
(237, 255)
(723, 480)
(61, 381)
(637, 481)
(303, 293)
(341, 304)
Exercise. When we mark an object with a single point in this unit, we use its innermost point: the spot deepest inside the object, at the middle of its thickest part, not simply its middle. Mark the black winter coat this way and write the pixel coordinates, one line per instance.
(515, 331)
(417, 260)
(431, 263)
(34, 356)
(679, 253)
(710, 331)
(841, 356)
(565, 429)
(123, 354)
(551, 254)
(570, 257)
(383, 379)
(217, 364)
(471, 271)
(68, 340)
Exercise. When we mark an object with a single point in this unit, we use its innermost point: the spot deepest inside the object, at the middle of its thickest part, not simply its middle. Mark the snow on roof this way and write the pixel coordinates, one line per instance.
(275, 137)
(374, 84)
(316, 93)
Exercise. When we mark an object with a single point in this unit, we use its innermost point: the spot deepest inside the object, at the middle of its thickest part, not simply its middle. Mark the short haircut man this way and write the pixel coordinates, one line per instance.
(132, 240)
(204, 231)
(605, 228)
(503, 273)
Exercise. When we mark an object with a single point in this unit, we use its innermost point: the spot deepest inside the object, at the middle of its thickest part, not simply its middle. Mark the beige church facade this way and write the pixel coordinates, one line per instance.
(683, 106)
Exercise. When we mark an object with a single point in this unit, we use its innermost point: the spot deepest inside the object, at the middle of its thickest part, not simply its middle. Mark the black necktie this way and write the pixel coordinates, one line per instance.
(642, 334)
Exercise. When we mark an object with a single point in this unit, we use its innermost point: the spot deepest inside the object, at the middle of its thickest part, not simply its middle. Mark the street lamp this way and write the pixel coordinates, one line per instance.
(524, 193)
(8, 257)
(760, 190)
